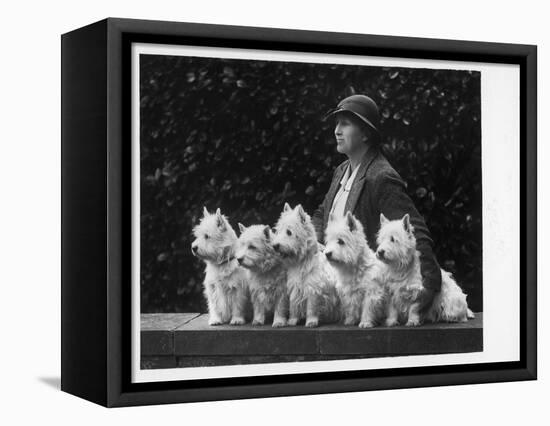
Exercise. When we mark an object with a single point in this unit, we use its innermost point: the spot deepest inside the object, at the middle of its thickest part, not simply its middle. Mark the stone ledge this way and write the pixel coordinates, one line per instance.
(169, 340)
(157, 332)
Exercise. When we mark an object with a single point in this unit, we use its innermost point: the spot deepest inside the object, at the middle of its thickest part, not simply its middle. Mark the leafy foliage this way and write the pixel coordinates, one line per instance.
(246, 136)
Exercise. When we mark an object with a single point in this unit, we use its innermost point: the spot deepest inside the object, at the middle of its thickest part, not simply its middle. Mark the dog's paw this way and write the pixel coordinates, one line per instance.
(413, 323)
(258, 322)
(312, 323)
(215, 321)
(293, 321)
(349, 321)
(237, 321)
(391, 322)
(366, 324)
(279, 323)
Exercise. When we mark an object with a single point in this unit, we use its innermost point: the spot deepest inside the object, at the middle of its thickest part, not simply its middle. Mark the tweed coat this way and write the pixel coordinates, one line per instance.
(378, 188)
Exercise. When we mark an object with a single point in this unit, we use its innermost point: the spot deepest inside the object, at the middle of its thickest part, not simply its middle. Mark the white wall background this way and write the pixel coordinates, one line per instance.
(30, 214)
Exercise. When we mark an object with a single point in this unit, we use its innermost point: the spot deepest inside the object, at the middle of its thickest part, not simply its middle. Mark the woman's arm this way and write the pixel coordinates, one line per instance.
(318, 216)
(317, 219)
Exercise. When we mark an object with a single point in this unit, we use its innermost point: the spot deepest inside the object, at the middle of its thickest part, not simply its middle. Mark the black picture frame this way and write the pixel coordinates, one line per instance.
(96, 202)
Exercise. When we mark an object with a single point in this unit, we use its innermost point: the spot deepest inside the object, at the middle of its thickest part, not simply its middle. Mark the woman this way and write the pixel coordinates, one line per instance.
(367, 185)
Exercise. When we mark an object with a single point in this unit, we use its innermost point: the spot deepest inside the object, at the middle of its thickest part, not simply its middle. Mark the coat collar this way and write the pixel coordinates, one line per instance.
(357, 185)
(359, 180)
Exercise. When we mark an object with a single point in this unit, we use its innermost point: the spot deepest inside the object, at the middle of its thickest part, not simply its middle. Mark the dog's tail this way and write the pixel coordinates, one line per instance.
(470, 314)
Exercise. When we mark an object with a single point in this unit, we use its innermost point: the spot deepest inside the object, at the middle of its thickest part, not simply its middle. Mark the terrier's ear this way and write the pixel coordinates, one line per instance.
(218, 212)
(204, 211)
(383, 219)
(267, 233)
(241, 227)
(407, 223)
(350, 220)
(220, 221)
(301, 213)
(287, 207)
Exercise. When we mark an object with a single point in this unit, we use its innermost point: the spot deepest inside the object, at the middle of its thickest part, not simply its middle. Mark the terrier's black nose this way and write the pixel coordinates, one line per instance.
(240, 260)
(276, 247)
(328, 254)
(380, 254)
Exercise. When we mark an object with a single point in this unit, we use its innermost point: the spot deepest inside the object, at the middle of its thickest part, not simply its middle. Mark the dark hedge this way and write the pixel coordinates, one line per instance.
(246, 136)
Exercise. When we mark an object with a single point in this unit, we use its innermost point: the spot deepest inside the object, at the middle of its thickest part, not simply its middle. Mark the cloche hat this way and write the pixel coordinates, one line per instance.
(362, 107)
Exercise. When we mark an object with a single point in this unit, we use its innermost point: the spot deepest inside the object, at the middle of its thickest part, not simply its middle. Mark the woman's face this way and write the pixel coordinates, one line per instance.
(350, 136)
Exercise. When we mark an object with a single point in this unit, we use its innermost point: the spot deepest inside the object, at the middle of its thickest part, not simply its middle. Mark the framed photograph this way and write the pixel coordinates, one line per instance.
(251, 212)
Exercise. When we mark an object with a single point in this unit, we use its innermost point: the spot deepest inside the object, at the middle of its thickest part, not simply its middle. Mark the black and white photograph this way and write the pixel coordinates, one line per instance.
(275, 213)
(305, 210)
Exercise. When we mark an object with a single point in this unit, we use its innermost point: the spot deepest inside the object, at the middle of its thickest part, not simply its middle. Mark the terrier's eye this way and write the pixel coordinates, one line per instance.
(340, 241)
(392, 240)
(288, 232)
(206, 236)
(251, 247)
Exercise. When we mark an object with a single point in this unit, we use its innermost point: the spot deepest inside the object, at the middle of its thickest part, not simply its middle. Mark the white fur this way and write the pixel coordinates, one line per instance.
(449, 304)
(311, 281)
(225, 282)
(362, 294)
(267, 274)
(403, 279)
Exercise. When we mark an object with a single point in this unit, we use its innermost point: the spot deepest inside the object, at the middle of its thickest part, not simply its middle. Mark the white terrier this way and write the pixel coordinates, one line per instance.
(311, 281)
(267, 274)
(403, 279)
(362, 295)
(225, 282)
